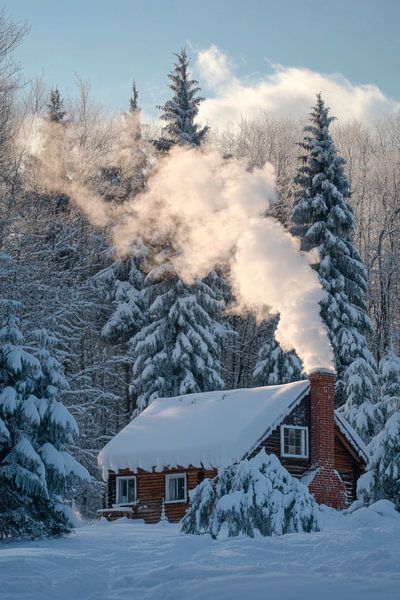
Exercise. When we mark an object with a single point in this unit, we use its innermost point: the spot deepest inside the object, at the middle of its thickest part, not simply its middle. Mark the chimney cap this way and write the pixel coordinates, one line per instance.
(322, 370)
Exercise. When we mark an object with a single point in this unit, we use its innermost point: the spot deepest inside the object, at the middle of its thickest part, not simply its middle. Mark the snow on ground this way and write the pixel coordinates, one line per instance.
(355, 557)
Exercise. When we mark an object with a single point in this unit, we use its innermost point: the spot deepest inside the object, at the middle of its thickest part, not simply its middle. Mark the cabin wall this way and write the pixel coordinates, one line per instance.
(348, 468)
(151, 491)
(301, 416)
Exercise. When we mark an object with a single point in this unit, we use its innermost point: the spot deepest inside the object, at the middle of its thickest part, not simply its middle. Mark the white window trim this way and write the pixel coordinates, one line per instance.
(118, 479)
(174, 476)
(287, 455)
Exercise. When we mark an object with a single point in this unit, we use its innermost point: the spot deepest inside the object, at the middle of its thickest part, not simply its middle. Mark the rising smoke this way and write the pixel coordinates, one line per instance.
(209, 212)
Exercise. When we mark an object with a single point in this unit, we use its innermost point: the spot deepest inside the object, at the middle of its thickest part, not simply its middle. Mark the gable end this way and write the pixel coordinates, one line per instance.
(299, 415)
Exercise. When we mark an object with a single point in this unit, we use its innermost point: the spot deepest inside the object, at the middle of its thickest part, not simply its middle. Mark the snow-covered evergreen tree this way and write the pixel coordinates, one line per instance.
(125, 280)
(359, 380)
(323, 218)
(35, 430)
(256, 494)
(133, 101)
(55, 106)
(181, 110)
(178, 352)
(23, 493)
(382, 479)
(57, 428)
(120, 287)
(274, 366)
(389, 379)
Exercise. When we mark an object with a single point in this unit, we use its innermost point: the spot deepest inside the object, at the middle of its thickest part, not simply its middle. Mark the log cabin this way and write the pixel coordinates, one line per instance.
(152, 464)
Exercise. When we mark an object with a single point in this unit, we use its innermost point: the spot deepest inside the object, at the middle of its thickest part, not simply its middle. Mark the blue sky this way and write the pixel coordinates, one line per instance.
(110, 42)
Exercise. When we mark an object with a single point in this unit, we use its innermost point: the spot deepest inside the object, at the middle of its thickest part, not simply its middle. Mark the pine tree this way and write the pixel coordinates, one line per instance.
(389, 379)
(274, 366)
(382, 479)
(23, 493)
(56, 106)
(121, 283)
(181, 110)
(125, 281)
(57, 428)
(133, 101)
(120, 286)
(163, 514)
(35, 430)
(255, 494)
(324, 220)
(178, 352)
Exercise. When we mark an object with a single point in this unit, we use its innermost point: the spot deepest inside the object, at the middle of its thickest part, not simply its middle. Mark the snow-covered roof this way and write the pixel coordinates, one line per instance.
(211, 429)
(351, 435)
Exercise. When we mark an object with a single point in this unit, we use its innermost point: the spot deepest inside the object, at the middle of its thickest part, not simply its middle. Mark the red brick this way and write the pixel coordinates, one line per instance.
(327, 486)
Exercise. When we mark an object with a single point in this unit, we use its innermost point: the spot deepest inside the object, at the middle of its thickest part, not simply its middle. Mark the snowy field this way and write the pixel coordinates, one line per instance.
(356, 557)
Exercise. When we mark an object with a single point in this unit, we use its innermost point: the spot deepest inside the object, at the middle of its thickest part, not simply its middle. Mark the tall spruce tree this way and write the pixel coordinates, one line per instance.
(23, 493)
(389, 379)
(57, 428)
(55, 106)
(133, 101)
(178, 351)
(274, 366)
(124, 280)
(121, 283)
(181, 110)
(324, 220)
(382, 478)
(120, 287)
(36, 469)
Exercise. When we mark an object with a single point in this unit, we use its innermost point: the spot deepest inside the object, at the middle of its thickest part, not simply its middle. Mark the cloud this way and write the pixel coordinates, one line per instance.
(213, 65)
(287, 91)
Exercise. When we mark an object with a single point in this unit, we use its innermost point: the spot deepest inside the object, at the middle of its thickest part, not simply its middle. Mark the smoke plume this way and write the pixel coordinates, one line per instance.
(208, 212)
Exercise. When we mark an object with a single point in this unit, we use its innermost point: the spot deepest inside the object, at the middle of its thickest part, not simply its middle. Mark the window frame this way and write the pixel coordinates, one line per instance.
(305, 453)
(119, 478)
(170, 476)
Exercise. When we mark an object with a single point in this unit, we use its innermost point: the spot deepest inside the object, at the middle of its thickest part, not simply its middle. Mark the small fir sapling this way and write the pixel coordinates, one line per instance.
(163, 515)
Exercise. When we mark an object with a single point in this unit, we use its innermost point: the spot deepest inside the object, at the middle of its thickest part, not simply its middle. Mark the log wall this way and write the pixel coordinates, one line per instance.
(348, 466)
(151, 491)
(301, 416)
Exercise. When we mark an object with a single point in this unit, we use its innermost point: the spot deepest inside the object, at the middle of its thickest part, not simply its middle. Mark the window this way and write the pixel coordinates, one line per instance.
(294, 441)
(126, 490)
(175, 488)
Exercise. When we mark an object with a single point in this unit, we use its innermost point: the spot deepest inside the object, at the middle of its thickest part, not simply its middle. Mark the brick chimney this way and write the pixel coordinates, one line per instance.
(326, 484)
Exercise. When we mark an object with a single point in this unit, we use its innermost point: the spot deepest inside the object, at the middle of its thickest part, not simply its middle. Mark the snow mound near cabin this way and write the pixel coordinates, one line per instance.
(380, 514)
